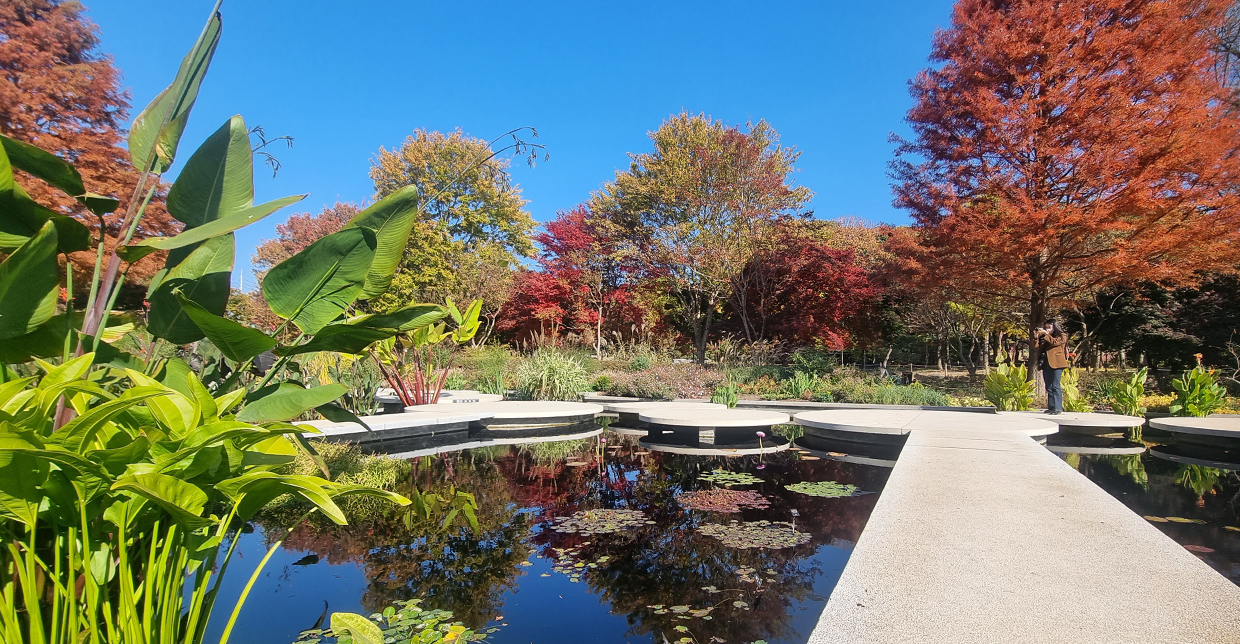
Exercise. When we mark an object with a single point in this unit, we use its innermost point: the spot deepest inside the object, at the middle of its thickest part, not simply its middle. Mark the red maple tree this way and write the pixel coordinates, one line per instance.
(58, 93)
(1064, 145)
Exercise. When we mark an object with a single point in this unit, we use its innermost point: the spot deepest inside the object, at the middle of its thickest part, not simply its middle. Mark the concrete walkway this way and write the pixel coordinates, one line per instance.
(985, 536)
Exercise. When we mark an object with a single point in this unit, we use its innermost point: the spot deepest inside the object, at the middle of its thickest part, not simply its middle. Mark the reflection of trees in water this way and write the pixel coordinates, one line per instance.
(667, 563)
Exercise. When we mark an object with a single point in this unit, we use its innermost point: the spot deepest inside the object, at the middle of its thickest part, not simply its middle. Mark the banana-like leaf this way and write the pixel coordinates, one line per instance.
(360, 629)
(29, 285)
(56, 172)
(338, 414)
(341, 338)
(218, 180)
(315, 286)
(405, 319)
(208, 230)
(203, 274)
(79, 432)
(184, 501)
(175, 411)
(21, 476)
(255, 489)
(21, 218)
(236, 341)
(342, 490)
(156, 132)
(44, 342)
(286, 401)
(392, 218)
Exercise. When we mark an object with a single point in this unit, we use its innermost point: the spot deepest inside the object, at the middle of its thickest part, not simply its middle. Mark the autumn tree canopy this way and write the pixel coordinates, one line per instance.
(58, 93)
(1064, 145)
(694, 204)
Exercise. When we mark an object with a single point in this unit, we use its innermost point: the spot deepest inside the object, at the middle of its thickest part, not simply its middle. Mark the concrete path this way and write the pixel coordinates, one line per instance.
(985, 536)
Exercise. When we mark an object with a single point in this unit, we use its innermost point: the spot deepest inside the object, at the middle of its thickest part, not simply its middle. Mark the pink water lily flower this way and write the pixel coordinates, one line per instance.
(761, 434)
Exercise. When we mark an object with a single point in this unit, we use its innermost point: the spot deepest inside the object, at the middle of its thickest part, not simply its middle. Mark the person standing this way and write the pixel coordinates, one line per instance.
(1052, 344)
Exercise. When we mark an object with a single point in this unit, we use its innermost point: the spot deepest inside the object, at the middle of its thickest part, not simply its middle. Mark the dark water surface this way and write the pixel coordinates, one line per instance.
(1196, 505)
(653, 572)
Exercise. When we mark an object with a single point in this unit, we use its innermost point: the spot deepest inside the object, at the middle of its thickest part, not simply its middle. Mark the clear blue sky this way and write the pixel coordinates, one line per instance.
(346, 78)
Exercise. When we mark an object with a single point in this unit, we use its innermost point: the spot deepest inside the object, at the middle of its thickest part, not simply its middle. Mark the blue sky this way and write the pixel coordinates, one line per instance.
(594, 78)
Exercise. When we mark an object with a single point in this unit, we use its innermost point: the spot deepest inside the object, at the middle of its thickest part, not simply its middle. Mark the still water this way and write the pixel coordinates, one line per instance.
(582, 542)
(1197, 505)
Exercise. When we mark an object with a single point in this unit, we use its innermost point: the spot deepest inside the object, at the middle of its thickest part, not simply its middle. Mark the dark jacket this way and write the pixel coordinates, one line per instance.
(1054, 350)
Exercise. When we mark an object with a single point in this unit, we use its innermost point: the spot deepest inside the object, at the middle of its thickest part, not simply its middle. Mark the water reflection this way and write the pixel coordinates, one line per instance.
(1196, 505)
(662, 578)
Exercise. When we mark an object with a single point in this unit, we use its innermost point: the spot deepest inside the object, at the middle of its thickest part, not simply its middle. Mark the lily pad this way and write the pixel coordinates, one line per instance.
(590, 522)
(826, 489)
(1155, 519)
(756, 534)
(720, 500)
(1232, 528)
(1183, 520)
(729, 479)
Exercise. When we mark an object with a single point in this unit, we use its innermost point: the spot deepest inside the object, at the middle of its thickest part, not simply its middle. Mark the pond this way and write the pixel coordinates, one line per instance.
(1196, 505)
(581, 544)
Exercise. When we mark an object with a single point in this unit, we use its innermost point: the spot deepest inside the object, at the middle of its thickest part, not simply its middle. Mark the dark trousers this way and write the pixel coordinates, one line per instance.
(1054, 393)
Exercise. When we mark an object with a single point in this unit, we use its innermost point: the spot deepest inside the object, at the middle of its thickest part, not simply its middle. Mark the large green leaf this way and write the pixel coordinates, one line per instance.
(362, 630)
(253, 490)
(44, 342)
(203, 274)
(29, 285)
(343, 338)
(405, 319)
(185, 502)
(20, 475)
(156, 132)
(208, 230)
(21, 218)
(56, 172)
(236, 341)
(392, 219)
(286, 401)
(218, 179)
(315, 286)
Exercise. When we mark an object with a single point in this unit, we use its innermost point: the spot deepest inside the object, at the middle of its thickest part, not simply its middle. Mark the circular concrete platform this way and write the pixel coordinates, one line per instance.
(712, 418)
(706, 449)
(629, 413)
(1167, 453)
(519, 412)
(1078, 422)
(1217, 431)
(888, 424)
(474, 444)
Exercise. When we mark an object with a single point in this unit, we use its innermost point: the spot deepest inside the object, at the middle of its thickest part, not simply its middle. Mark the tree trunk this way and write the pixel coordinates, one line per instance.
(598, 336)
(986, 353)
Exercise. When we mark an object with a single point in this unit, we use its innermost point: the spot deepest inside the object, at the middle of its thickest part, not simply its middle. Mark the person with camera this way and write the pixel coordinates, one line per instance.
(1052, 344)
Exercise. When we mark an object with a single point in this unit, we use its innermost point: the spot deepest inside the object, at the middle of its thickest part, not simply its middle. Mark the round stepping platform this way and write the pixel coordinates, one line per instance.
(892, 426)
(630, 412)
(474, 444)
(1221, 460)
(519, 413)
(712, 418)
(1089, 450)
(1219, 431)
(858, 459)
(626, 431)
(769, 446)
(1079, 422)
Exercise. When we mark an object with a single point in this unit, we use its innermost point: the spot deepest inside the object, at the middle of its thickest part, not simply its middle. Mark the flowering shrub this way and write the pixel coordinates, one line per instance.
(665, 382)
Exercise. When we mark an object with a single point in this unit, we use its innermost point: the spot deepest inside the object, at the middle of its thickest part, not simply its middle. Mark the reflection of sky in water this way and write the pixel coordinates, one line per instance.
(366, 565)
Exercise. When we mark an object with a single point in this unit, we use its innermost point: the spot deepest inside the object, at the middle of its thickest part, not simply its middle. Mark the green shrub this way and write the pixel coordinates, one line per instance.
(640, 362)
(726, 394)
(817, 360)
(456, 381)
(1197, 393)
(801, 385)
(602, 382)
(491, 384)
(665, 382)
(1008, 388)
(1073, 400)
(551, 375)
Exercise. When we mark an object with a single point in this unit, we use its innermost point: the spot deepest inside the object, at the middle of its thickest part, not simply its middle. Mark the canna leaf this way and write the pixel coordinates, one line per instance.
(184, 501)
(392, 219)
(236, 341)
(315, 286)
(29, 285)
(286, 401)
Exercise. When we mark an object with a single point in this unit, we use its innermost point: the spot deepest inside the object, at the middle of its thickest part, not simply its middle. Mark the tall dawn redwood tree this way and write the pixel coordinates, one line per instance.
(58, 93)
(1064, 145)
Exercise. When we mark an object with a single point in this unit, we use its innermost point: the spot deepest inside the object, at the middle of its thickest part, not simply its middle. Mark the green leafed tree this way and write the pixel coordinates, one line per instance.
(695, 205)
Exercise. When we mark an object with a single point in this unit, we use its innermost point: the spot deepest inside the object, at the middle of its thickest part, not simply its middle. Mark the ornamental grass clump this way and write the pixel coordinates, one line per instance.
(551, 375)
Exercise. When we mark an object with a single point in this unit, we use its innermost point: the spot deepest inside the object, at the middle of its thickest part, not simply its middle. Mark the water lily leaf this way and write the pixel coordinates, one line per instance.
(729, 479)
(826, 489)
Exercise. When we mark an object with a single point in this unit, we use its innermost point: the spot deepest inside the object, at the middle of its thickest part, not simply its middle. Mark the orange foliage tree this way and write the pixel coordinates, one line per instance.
(1064, 145)
(57, 93)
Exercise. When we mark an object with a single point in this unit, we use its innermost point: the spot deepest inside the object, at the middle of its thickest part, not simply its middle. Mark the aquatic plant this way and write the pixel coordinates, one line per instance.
(1008, 388)
(405, 623)
(755, 534)
(729, 479)
(1197, 393)
(1126, 398)
(718, 500)
(826, 489)
(1073, 400)
(590, 522)
(727, 394)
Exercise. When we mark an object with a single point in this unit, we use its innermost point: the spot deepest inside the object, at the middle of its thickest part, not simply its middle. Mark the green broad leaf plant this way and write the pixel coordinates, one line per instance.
(125, 480)
(1197, 393)
(1008, 388)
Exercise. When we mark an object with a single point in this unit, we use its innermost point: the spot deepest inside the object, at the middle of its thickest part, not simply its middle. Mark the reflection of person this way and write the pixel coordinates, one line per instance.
(1052, 344)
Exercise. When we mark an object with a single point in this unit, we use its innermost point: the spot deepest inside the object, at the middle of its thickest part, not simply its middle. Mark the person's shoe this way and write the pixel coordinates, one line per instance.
(1056, 413)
